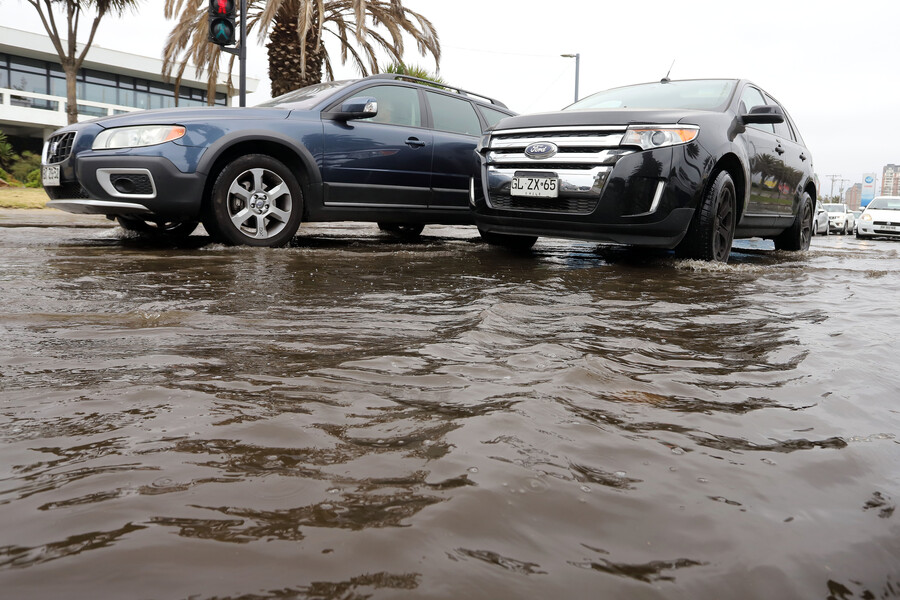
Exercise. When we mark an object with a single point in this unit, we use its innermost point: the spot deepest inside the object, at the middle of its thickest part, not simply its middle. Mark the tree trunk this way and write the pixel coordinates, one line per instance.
(285, 67)
(71, 89)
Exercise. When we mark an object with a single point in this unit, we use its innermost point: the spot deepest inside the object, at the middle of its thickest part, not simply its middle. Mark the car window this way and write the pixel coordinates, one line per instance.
(492, 116)
(397, 105)
(750, 98)
(781, 129)
(453, 114)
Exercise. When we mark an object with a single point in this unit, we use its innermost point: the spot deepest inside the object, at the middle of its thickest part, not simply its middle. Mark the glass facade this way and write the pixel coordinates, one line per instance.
(42, 77)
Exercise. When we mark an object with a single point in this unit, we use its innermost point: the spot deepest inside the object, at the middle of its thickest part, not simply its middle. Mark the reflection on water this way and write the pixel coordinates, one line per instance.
(350, 417)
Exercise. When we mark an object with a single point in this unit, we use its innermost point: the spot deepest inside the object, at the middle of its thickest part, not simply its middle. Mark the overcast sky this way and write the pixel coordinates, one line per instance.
(835, 67)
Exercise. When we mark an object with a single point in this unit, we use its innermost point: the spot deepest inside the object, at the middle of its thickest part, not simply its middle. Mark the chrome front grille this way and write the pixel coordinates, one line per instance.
(583, 158)
(59, 147)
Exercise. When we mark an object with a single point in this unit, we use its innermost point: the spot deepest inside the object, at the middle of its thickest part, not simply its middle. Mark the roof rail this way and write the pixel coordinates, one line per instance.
(451, 88)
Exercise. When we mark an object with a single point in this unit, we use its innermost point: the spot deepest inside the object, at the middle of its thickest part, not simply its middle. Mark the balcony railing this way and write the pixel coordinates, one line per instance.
(51, 110)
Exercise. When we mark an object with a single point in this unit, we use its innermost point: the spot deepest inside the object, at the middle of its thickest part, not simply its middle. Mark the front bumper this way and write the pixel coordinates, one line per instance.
(644, 198)
(146, 182)
(876, 229)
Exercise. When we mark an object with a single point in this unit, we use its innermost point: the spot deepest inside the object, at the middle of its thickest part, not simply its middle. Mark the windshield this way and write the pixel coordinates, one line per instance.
(306, 97)
(885, 203)
(836, 208)
(697, 94)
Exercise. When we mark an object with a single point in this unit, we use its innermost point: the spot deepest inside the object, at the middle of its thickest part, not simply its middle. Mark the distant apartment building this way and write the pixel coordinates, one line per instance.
(890, 180)
(33, 87)
(852, 196)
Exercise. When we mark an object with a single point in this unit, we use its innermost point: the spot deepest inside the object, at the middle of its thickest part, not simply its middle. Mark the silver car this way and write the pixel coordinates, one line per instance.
(838, 221)
(820, 220)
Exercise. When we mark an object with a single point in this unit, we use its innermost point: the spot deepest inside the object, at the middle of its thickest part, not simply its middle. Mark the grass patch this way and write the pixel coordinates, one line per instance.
(12, 197)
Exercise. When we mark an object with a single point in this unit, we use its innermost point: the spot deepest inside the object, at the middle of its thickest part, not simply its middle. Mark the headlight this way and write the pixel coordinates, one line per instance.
(657, 136)
(866, 217)
(135, 137)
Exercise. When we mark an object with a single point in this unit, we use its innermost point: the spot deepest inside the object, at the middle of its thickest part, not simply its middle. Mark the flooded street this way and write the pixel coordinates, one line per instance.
(352, 417)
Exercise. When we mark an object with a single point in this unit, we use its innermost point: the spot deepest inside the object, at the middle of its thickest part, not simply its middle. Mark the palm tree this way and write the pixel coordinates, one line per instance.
(70, 58)
(296, 31)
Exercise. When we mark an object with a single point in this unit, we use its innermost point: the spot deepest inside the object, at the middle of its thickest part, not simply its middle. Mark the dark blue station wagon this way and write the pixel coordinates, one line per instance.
(388, 149)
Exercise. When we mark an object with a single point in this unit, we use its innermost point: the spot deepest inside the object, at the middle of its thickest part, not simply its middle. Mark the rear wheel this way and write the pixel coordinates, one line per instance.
(513, 242)
(711, 232)
(406, 232)
(162, 229)
(797, 236)
(256, 200)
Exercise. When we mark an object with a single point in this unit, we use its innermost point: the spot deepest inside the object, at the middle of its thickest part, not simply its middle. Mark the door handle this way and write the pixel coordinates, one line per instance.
(414, 142)
(779, 149)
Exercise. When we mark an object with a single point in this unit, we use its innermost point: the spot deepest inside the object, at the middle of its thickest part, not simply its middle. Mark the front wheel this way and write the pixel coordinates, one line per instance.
(256, 200)
(512, 242)
(163, 229)
(711, 232)
(797, 236)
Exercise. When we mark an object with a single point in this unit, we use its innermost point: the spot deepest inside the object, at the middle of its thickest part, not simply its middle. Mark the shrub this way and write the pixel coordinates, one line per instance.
(24, 164)
(34, 179)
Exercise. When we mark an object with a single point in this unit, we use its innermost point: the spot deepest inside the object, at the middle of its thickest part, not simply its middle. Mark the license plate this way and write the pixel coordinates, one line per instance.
(890, 228)
(50, 175)
(537, 187)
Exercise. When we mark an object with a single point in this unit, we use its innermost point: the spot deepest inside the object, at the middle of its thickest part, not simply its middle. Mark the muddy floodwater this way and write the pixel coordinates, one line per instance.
(352, 417)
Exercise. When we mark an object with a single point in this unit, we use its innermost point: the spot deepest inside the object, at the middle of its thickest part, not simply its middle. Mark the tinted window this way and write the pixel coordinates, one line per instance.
(492, 116)
(453, 114)
(781, 129)
(750, 98)
(711, 94)
(396, 105)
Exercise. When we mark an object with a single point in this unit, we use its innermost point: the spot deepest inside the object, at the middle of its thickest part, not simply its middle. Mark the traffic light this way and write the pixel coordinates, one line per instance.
(221, 22)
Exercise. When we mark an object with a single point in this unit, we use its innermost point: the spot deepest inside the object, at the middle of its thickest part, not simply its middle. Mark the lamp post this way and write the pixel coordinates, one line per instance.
(577, 58)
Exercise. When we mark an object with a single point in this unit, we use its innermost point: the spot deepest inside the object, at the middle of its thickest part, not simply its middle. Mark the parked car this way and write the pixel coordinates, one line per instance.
(820, 220)
(688, 165)
(856, 214)
(839, 218)
(388, 148)
(881, 218)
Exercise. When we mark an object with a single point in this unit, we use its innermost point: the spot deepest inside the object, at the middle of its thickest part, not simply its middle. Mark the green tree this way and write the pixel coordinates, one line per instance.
(413, 71)
(70, 57)
(6, 150)
(296, 31)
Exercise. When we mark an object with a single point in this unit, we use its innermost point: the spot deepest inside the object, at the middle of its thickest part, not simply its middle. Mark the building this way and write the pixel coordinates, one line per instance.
(890, 180)
(33, 87)
(853, 196)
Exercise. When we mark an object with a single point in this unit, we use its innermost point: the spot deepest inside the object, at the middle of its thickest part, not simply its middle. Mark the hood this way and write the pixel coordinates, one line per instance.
(188, 115)
(608, 116)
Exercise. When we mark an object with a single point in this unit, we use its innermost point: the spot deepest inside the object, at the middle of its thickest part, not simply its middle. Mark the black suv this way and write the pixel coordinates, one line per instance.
(688, 165)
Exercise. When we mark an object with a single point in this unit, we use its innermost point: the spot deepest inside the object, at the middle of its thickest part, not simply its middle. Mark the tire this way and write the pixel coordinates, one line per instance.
(796, 237)
(175, 230)
(711, 231)
(406, 232)
(511, 242)
(862, 236)
(256, 201)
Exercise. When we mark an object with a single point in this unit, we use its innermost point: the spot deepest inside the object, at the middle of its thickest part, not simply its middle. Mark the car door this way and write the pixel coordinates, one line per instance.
(764, 162)
(383, 161)
(794, 165)
(456, 131)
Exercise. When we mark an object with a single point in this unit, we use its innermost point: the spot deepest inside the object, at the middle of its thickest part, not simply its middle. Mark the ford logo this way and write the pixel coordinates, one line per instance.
(540, 150)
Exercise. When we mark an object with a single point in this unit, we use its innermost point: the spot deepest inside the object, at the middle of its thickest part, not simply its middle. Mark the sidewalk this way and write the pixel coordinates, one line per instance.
(49, 217)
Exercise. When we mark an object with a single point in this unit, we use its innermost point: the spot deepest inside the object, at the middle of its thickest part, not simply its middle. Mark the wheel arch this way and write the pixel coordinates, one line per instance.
(739, 175)
(296, 158)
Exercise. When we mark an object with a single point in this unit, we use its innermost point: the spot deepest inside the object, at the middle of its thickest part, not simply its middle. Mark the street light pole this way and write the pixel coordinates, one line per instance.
(577, 58)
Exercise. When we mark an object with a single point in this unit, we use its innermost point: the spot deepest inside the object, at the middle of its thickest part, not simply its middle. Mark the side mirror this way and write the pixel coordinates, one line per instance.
(361, 107)
(768, 113)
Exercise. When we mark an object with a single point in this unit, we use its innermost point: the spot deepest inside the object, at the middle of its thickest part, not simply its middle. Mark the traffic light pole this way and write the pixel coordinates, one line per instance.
(241, 53)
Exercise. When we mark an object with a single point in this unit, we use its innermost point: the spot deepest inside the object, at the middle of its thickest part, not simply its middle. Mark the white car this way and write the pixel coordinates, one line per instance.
(881, 218)
(837, 218)
(820, 220)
